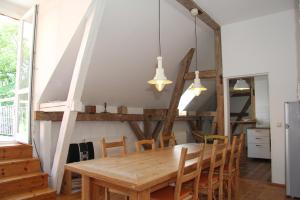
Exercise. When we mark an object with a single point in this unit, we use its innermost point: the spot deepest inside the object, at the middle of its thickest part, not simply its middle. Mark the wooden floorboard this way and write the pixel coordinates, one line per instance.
(255, 169)
(250, 190)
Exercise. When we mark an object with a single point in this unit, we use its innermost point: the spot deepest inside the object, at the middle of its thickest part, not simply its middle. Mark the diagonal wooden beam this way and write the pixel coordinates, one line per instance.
(242, 113)
(206, 74)
(177, 92)
(136, 130)
(190, 4)
(93, 19)
(157, 129)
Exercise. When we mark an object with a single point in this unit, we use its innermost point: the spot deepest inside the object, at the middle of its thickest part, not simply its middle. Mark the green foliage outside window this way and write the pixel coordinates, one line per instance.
(8, 58)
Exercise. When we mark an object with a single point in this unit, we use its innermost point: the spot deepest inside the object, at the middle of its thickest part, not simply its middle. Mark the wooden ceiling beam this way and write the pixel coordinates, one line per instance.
(205, 74)
(190, 4)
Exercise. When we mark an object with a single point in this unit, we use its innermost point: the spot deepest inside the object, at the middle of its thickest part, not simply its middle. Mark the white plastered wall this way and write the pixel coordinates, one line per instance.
(265, 45)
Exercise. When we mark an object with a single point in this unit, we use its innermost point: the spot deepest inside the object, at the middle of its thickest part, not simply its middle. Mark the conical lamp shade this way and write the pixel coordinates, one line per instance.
(197, 87)
(241, 85)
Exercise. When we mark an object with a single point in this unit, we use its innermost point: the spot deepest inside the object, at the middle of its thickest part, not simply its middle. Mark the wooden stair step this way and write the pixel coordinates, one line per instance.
(15, 151)
(38, 194)
(19, 167)
(23, 183)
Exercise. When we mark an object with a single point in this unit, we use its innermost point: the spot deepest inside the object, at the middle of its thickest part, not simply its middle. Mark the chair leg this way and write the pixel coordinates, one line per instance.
(235, 187)
(107, 194)
(221, 191)
(214, 195)
(229, 187)
(210, 194)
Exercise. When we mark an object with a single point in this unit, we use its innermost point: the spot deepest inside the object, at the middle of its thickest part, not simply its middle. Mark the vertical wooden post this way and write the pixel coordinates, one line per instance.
(75, 92)
(177, 92)
(219, 82)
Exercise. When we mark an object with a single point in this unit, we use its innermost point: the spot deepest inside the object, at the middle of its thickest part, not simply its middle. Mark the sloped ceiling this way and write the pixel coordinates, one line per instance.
(125, 54)
(127, 45)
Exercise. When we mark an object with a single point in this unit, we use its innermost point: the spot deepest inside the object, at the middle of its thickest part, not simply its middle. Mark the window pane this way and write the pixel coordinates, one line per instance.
(26, 49)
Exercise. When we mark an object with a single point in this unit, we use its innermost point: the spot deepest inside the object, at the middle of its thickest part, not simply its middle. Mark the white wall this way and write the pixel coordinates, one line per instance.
(265, 45)
(262, 111)
(56, 25)
(94, 131)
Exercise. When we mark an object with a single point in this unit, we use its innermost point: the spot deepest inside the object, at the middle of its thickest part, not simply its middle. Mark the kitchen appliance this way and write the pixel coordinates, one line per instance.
(292, 139)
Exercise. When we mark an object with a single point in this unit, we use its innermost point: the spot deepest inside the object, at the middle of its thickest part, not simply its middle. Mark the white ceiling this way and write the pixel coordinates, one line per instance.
(230, 11)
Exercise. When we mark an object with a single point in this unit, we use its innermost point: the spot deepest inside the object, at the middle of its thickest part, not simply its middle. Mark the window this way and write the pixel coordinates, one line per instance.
(185, 99)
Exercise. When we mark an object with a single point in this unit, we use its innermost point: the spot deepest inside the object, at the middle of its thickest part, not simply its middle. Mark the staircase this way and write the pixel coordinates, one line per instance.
(20, 175)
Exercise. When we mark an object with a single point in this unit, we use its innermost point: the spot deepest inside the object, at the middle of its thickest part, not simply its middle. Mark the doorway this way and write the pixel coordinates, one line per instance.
(249, 114)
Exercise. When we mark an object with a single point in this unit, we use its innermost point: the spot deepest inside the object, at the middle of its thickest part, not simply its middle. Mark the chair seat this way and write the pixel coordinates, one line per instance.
(167, 193)
(203, 183)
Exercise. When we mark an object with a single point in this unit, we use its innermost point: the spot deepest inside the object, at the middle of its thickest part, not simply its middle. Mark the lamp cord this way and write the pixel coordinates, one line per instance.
(196, 42)
(159, 28)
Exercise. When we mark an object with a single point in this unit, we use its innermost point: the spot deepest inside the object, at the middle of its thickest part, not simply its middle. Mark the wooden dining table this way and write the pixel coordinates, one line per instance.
(136, 174)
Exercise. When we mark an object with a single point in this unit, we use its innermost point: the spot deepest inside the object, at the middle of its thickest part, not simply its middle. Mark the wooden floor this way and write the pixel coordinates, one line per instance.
(250, 190)
(255, 169)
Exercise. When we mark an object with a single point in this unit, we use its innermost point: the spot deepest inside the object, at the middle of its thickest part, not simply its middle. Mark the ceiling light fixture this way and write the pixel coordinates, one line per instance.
(159, 80)
(197, 86)
(241, 84)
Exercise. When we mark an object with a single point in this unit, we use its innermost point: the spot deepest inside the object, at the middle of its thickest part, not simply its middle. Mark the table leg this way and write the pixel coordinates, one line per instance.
(86, 188)
(143, 195)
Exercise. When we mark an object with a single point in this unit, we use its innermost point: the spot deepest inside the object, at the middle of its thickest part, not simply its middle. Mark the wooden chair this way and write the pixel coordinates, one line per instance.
(232, 167)
(199, 136)
(184, 175)
(140, 143)
(167, 139)
(215, 137)
(211, 181)
(109, 145)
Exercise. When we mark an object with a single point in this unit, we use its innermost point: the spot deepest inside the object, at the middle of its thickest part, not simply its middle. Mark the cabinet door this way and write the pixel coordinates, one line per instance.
(259, 151)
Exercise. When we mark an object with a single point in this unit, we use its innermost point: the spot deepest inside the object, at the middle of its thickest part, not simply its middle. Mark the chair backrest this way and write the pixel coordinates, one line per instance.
(199, 136)
(109, 145)
(218, 158)
(240, 144)
(215, 137)
(167, 139)
(192, 173)
(233, 154)
(149, 143)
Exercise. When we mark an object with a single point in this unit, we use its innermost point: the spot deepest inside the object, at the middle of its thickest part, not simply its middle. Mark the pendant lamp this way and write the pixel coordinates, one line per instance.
(159, 80)
(197, 87)
(241, 85)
